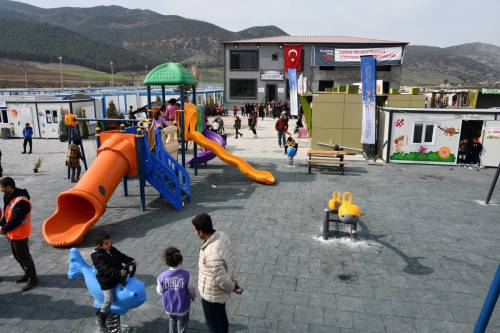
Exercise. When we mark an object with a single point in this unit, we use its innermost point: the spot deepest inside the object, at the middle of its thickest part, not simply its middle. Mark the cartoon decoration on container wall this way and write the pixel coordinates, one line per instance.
(444, 152)
(14, 113)
(422, 149)
(399, 142)
(449, 131)
(399, 123)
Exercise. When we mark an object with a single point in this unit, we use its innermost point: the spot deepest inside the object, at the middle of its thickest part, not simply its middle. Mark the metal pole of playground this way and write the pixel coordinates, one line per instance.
(195, 148)
(489, 304)
(181, 114)
(493, 185)
(163, 95)
(149, 96)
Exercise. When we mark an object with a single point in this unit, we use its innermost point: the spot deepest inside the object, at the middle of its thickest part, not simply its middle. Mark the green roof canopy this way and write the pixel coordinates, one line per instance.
(170, 74)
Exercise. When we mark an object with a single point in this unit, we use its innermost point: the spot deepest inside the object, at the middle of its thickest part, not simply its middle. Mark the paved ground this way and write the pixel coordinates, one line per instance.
(424, 261)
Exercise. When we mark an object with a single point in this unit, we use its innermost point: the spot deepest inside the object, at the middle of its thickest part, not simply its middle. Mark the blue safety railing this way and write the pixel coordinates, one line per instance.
(489, 304)
(163, 172)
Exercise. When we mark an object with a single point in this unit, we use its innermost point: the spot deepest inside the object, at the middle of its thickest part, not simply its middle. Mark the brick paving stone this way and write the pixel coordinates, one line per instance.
(350, 303)
(339, 318)
(368, 322)
(252, 309)
(399, 324)
(283, 282)
(310, 315)
(279, 311)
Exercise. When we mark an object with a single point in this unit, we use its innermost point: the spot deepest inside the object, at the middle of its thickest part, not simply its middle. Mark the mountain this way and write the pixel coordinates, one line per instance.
(471, 63)
(45, 43)
(155, 36)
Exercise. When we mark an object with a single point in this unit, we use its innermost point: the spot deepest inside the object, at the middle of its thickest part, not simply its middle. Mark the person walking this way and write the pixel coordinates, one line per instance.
(73, 157)
(261, 111)
(28, 135)
(235, 111)
(16, 226)
(237, 126)
(217, 277)
(281, 127)
(253, 123)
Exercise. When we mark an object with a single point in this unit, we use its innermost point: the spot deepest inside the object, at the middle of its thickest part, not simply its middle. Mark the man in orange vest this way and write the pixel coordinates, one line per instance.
(16, 225)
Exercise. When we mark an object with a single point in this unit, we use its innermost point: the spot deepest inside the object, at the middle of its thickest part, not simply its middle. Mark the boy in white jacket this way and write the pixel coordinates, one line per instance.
(217, 277)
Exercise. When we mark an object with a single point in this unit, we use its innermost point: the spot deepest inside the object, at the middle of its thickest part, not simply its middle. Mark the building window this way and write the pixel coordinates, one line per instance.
(274, 57)
(4, 117)
(243, 88)
(325, 84)
(326, 68)
(54, 117)
(244, 60)
(48, 116)
(423, 133)
(384, 68)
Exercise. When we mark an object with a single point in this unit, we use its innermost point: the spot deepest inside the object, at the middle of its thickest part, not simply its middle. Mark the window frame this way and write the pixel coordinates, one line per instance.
(424, 132)
(243, 97)
(275, 55)
(231, 69)
(55, 117)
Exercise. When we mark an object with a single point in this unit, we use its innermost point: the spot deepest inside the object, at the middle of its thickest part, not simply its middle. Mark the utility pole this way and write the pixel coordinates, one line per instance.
(60, 71)
(112, 74)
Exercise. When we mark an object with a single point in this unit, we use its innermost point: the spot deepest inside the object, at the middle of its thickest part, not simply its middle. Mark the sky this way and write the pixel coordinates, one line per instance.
(421, 22)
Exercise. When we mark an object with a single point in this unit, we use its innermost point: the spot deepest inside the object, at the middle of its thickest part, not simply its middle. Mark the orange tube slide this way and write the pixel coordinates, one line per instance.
(79, 208)
(264, 177)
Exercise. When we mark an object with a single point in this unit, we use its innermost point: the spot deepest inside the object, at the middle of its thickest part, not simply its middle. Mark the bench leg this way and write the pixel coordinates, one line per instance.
(309, 168)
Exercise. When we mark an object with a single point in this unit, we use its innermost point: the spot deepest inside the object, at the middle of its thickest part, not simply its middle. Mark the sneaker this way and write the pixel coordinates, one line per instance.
(29, 153)
(23, 152)
(23, 279)
(30, 285)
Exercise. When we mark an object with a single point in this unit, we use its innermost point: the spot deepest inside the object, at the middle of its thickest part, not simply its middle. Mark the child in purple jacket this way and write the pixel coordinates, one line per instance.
(177, 291)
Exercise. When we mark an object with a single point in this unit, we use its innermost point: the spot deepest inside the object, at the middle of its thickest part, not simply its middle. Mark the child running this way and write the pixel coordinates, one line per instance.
(108, 262)
(177, 291)
(291, 149)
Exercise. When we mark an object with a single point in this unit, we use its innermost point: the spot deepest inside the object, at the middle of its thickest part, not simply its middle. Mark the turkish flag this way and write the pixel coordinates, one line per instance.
(293, 56)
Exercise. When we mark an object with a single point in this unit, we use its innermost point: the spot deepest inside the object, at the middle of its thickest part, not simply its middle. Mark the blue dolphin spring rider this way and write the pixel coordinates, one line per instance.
(128, 295)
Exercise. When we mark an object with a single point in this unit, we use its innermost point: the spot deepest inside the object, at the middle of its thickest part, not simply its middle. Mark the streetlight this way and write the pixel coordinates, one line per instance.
(60, 70)
(112, 74)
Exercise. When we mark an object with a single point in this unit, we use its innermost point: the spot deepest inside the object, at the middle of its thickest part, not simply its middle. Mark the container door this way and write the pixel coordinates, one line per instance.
(490, 156)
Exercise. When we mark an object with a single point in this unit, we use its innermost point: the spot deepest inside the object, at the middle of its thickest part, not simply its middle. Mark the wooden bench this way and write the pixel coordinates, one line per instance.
(326, 158)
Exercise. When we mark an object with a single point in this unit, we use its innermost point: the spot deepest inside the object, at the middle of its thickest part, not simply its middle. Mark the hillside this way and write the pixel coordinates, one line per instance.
(44, 42)
(152, 35)
(468, 63)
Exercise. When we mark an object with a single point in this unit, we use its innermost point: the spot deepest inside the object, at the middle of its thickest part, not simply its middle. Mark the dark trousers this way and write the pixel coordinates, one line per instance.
(27, 141)
(238, 133)
(21, 253)
(75, 170)
(252, 128)
(216, 317)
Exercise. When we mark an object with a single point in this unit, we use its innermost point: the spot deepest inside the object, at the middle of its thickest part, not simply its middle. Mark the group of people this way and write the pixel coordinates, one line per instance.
(217, 278)
(167, 114)
(217, 271)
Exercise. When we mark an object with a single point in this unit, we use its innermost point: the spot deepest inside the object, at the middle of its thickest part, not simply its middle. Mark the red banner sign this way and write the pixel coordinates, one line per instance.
(293, 56)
